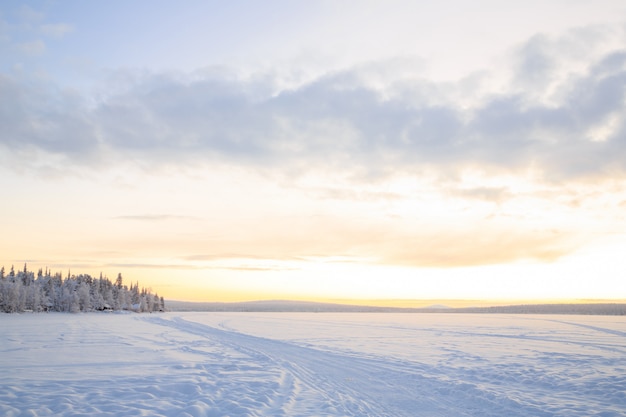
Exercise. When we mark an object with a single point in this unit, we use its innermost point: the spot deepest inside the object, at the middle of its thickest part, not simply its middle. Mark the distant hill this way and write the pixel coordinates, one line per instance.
(315, 307)
(277, 306)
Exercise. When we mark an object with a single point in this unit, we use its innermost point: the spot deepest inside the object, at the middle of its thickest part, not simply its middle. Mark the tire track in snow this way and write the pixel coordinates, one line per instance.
(312, 382)
(318, 382)
(590, 327)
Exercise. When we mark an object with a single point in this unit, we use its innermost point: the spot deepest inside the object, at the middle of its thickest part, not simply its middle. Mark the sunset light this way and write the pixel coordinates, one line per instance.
(373, 152)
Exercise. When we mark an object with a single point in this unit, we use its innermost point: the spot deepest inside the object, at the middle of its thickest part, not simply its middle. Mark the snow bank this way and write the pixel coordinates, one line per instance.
(290, 364)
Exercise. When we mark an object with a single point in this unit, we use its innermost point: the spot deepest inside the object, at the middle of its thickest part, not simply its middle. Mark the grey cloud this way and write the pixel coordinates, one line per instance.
(35, 116)
(611, 64)
(336, 121)
(203, 116)
(535, 62)
(513, 130)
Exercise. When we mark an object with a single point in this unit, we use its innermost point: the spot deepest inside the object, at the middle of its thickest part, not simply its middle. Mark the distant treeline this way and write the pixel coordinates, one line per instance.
(26, 291)
(613, 309)
(606, 309)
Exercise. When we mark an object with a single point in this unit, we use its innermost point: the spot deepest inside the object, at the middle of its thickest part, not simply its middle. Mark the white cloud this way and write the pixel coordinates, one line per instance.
(32, 48)
(55, 30)
(29, 14)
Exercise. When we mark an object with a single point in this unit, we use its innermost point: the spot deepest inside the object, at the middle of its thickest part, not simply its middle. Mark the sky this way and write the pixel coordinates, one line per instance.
(318, 150)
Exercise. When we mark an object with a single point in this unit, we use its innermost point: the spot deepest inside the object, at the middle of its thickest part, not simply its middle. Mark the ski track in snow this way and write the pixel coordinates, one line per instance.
(307, 364)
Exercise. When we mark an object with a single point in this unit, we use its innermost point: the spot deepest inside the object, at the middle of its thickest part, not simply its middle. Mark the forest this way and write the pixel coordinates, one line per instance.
(27, 291)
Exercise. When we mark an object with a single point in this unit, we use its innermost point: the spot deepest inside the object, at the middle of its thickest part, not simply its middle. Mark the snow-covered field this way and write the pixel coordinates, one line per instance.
(308, 364)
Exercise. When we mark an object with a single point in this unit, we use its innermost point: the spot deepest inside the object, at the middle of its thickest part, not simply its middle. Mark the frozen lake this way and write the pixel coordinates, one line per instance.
(312, 364)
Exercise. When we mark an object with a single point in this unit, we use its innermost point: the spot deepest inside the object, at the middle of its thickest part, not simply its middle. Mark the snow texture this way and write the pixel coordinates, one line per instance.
(306, 364)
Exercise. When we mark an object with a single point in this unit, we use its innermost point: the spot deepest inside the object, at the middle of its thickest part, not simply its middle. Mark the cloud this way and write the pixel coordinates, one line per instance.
(426, 243)
(29, 15)
(492, 194)
(151, 266)
(248, 268)
(471, 247)
(154, 217)
(337, 121)
(337, 193)
(32, 48)
(55, 30)
(245, 268)
(535, 63)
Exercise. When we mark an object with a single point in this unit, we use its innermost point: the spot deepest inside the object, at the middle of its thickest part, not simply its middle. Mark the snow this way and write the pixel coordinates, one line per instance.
(308, 364)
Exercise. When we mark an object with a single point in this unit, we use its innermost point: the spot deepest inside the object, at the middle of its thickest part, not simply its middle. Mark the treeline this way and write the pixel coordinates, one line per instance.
(26, 291)
(605, 309)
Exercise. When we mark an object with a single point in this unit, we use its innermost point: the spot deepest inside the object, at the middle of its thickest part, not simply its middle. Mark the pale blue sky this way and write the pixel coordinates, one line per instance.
(88, 37)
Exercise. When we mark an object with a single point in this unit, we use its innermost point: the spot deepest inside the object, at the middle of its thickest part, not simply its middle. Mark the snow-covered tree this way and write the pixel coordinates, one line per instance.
(46, 292)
